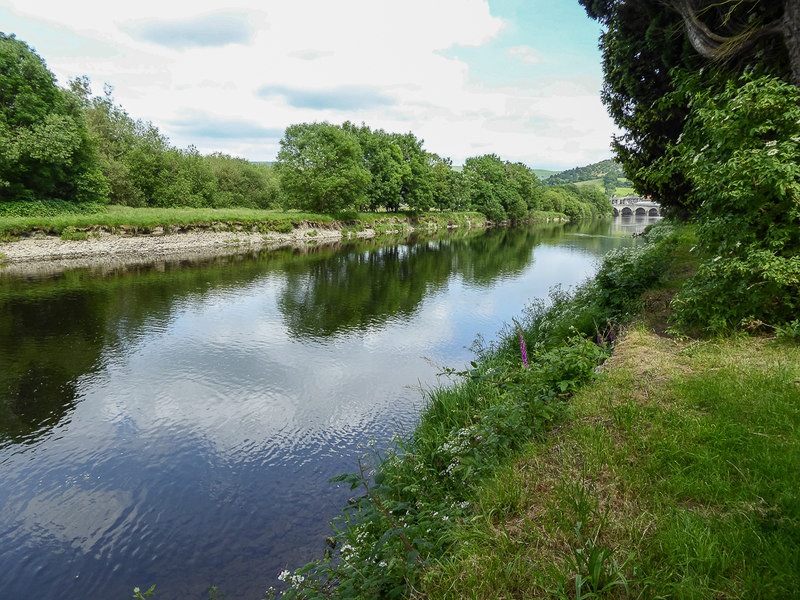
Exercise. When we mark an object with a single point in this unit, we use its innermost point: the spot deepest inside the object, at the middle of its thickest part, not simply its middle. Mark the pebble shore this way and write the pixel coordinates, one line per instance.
(46, 254)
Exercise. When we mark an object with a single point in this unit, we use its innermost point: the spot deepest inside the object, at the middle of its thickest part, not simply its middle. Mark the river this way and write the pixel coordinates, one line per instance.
(178, 423)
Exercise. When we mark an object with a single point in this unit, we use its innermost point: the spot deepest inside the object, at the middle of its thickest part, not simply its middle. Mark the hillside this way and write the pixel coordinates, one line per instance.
(593, 171)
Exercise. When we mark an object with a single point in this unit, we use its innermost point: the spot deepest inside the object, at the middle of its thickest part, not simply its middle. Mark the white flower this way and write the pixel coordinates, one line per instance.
(716, 259)
(383, 564)
(283, 575)
(771, 143)
(772, 152)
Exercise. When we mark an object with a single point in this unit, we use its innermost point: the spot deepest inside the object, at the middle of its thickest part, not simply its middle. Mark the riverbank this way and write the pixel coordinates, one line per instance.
(131, 236)
(124, 236)
(547, 471)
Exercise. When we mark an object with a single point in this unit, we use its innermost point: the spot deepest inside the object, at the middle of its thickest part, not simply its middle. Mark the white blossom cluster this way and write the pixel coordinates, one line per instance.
(460, 443)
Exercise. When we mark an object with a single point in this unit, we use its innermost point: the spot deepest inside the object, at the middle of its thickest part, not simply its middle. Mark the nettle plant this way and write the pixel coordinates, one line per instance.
(741, 151)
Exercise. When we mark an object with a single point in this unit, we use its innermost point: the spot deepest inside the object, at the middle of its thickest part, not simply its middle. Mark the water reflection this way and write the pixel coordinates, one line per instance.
(178, 424)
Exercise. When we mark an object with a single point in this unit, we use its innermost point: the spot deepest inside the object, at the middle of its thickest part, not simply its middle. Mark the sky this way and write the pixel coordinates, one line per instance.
(518, 78)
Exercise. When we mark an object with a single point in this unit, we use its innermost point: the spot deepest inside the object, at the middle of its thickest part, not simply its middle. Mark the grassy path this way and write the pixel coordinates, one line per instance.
(677, 476)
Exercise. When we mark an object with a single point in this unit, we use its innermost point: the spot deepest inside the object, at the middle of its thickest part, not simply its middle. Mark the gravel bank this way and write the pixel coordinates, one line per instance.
(45, 254)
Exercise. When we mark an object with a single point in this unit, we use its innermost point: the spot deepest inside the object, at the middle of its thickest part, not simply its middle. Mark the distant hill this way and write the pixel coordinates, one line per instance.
(544, 173)
(587, 173)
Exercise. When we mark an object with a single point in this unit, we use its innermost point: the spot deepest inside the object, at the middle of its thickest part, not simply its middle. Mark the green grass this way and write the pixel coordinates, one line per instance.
(675, 476)
(146, 219)
(625, 191)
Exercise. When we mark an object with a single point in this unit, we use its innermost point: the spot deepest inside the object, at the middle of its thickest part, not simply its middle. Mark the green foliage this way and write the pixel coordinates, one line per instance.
(418, 183)
(610, 182)
(45, 150)
(644, 44)
(70, 233)
(596, 569)
(48, 208)
(383, 158)
(741, 150)
(321, 168)
(502, 190)
(586, 173)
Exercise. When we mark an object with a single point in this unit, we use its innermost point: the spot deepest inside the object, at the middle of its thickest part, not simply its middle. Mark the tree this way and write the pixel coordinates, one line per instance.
(526, 184)
(321, 168)
(418, 179)
(646, 58)
(445, 192)
(723, 31)
(45, 150)
(610, 183)
(383, 158)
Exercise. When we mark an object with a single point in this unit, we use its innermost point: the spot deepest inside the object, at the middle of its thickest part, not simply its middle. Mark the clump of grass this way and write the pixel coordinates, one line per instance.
(72, 234)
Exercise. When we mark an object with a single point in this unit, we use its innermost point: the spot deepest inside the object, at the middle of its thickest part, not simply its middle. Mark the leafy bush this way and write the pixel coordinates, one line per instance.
(47, 208)
(728, 291)
(741, 150)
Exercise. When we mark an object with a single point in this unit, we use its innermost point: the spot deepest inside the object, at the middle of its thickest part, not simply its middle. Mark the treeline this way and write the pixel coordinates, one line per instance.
(329, 168)
(707, 94)
(66, 145)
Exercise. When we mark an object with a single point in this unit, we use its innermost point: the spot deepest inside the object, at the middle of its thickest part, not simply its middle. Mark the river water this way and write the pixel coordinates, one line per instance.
(177, 424)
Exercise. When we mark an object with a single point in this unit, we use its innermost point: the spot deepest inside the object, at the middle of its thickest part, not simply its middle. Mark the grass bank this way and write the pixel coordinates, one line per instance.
(122, 219)
(675, 476)
(545, 470)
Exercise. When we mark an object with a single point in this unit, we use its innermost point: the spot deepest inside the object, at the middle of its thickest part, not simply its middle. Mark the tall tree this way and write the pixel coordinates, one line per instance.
(45, 150)
(646, 56)
(727, 30)
(383, 158)
(321, 168)
(418, 179)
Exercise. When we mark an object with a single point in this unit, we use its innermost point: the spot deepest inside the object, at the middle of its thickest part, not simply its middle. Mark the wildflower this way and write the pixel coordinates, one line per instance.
(383, 564)
(771, 143)
(523, 351)
(772, 152)
(283, 575)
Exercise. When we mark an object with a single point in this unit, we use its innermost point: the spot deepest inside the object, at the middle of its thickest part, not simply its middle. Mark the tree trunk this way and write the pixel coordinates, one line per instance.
(790, 24)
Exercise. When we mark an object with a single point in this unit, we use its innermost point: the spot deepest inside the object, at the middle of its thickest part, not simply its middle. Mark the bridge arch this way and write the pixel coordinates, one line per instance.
(653, 212)
(626, 211)
(641, 212)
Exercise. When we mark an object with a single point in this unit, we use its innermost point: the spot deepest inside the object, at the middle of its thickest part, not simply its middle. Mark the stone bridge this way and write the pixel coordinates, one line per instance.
(635, 205)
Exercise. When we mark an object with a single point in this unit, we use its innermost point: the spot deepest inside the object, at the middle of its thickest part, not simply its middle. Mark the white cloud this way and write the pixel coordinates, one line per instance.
(525, 53)
(374, 61)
